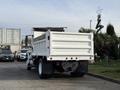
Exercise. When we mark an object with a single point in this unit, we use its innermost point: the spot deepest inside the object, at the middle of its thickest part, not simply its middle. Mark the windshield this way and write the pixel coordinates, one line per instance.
(23, 51)
(5, 51)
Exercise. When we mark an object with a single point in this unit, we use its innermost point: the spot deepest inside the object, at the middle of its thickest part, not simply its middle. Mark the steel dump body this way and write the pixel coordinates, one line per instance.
(64, 46)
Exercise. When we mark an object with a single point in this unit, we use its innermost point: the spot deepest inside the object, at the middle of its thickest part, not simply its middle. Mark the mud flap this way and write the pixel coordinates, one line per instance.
(82, 69)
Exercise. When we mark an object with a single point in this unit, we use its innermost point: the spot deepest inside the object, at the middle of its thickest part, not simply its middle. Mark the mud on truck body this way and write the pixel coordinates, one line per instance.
(57, 51)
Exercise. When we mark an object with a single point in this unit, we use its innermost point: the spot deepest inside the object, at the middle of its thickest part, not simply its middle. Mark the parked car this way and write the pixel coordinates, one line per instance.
(6, 55)
(22, 55)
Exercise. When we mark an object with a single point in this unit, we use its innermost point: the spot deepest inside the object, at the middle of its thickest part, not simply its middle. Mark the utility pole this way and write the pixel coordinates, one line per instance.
(90, 23)
(26, 41)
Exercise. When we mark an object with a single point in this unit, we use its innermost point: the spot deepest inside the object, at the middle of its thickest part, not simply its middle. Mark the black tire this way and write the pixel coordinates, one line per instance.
(45, 69)
(41, 70)
(81, 70)
(18, 59)
(76, 74)
(29, 67)
(12, 61)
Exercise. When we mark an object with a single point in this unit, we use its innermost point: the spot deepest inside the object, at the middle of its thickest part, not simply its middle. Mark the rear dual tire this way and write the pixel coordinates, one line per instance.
(40, 70)
(45, 69)
(81, 70)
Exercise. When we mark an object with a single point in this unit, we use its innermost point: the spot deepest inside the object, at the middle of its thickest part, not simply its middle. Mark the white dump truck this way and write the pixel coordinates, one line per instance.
(63, 52)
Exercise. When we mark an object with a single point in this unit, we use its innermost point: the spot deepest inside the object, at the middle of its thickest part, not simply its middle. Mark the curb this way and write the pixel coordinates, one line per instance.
(105, 78)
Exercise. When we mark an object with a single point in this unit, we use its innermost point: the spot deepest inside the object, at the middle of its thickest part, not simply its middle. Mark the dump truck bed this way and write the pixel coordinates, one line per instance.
(64, 46)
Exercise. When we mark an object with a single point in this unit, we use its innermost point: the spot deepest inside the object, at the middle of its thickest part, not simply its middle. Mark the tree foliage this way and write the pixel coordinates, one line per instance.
(110, 30)
(105, 44)
(85, 30)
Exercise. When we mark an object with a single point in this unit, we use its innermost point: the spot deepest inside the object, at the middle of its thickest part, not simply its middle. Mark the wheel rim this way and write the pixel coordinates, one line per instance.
(40, 68)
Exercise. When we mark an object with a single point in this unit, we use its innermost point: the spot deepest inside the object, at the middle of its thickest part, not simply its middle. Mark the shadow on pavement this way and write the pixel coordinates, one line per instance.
(17, 71)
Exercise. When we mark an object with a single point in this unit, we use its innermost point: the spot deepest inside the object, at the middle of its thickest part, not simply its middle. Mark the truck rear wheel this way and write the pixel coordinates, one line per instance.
(81, 70)
(40, 70)
(45, 69)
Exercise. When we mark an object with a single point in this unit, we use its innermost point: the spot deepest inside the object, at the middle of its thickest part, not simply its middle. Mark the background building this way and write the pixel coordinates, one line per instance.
(10, 37)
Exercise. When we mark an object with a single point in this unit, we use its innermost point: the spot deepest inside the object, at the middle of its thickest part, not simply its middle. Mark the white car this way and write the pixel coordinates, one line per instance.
(22, 55)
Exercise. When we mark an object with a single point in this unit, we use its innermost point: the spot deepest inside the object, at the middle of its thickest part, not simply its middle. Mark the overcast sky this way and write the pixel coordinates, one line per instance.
(73, 14)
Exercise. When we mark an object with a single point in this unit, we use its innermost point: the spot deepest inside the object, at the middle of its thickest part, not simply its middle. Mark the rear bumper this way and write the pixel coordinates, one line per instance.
(6, 59)
(70, 58)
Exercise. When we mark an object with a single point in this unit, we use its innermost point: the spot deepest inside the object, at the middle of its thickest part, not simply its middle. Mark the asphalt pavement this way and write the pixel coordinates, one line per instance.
(14, 76)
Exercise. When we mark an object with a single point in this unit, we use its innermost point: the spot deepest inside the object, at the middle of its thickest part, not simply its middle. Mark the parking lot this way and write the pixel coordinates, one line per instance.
(14, 76)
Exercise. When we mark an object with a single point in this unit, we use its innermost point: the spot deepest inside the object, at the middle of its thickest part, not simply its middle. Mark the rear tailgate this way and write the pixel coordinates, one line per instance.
(71, 46)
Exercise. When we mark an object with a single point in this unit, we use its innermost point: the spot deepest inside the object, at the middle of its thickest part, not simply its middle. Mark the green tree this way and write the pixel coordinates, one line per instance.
(113, 42)
(105, 44)
(110, 30)
(86, 30)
